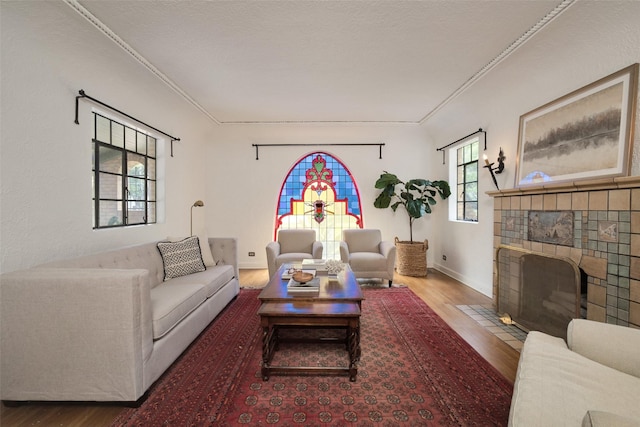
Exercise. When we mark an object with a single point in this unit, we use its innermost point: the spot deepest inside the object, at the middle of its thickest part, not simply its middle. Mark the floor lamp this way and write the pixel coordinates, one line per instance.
(197, 204)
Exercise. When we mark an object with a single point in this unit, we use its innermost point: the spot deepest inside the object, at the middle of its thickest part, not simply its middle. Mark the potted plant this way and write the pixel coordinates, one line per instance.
(417, 196)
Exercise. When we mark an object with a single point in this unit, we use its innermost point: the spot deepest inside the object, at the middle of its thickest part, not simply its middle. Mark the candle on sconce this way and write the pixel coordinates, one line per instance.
(486, 159)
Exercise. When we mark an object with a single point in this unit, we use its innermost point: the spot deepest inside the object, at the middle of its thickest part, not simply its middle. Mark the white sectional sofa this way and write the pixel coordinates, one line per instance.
(591, 380)
(104, 327)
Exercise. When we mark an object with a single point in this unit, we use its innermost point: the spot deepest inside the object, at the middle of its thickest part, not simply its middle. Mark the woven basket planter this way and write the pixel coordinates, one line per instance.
(411, 258)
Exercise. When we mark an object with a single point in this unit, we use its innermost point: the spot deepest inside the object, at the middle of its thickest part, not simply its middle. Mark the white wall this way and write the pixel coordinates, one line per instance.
(49, 52)
(589, 41)
(248, 189)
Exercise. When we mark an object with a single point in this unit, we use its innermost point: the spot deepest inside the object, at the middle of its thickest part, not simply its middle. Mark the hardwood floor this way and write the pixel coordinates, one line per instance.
(440, 292)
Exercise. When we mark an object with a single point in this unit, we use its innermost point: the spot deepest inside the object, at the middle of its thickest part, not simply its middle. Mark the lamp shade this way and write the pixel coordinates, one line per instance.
(196, 204)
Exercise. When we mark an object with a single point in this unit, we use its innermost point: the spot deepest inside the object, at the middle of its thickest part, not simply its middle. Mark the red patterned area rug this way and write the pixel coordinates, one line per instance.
(414, 370)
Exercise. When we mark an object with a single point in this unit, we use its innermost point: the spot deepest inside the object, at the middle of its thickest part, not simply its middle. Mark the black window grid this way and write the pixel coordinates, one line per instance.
(150, 197)
(465, 200)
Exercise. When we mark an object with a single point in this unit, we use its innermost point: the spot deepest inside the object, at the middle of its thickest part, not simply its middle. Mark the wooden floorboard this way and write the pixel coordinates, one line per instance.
(439, 291)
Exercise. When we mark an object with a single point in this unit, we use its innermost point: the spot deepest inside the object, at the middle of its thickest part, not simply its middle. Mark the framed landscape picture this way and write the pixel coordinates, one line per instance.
(584, 134)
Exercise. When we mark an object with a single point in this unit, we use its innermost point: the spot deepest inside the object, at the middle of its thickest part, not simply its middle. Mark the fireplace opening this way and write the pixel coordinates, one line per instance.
(539, 291)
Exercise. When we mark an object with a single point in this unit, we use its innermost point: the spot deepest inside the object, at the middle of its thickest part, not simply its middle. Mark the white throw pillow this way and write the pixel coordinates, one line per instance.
(181, 258)
(207, 256)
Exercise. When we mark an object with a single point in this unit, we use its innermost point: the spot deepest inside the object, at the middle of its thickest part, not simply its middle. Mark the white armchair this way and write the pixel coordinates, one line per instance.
(292, 246)
(367, 254)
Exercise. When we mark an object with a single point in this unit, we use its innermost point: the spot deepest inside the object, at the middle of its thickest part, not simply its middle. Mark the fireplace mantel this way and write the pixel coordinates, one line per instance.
(570, 186)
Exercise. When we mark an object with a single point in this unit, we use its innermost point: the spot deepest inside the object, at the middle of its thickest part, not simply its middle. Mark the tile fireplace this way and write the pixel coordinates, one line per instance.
(597, 227)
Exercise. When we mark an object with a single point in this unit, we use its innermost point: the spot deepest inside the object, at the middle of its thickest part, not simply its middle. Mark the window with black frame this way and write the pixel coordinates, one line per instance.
(124, 175)
(467, 181)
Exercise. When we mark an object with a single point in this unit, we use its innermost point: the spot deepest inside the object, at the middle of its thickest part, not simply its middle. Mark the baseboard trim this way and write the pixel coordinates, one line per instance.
(462, 279)
(251, 266)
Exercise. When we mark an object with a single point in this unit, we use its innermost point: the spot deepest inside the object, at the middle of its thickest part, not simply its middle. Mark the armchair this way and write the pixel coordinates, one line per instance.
(367, 254)
(292, 246)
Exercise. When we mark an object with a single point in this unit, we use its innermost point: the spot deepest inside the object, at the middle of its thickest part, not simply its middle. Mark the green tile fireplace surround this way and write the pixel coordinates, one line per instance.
(605, 243)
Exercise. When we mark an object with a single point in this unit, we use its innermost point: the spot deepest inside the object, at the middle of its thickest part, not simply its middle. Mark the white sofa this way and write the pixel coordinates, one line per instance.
(104, 327)
(591, 380)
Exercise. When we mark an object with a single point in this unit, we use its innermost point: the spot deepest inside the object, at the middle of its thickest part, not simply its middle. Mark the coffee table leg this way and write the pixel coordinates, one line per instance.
(267, 350)
(357, 338)
(353, 343)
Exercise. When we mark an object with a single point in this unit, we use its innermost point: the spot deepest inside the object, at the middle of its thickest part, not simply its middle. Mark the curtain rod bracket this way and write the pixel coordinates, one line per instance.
(172, 141)
(462, 139)
(82, 94)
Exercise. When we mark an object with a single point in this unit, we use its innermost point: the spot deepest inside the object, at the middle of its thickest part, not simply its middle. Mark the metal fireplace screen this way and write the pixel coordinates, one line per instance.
(538, 291)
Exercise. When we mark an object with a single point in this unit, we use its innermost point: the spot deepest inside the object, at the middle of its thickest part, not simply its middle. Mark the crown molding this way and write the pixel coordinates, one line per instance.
(82, 11)
(564, 5)
(549, 17)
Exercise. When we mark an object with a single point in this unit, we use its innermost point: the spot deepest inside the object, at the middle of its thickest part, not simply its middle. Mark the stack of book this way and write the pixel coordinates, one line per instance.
(314, 264)
(309, 287)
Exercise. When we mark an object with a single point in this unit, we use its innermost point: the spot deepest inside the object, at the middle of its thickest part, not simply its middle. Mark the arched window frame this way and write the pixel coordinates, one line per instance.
(322, 179)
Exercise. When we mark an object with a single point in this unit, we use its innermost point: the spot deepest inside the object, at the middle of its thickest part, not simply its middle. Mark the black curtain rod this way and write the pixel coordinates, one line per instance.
(462, 139)
(380, 145)
(84, 95)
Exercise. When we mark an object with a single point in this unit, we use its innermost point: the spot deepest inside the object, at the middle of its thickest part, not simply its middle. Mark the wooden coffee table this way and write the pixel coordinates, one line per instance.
(337, 304)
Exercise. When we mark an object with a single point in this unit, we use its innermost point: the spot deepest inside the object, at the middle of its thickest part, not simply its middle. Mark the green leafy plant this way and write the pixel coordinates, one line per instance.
(416, 195)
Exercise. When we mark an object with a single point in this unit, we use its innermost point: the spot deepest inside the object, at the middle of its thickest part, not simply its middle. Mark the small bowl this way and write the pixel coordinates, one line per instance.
(302, 277)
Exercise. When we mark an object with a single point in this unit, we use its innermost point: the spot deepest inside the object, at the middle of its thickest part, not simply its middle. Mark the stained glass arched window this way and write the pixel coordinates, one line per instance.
(319, 193)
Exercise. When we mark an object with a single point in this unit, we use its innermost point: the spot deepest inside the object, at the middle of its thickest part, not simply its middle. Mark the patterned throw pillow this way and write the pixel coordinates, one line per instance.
(181, 258)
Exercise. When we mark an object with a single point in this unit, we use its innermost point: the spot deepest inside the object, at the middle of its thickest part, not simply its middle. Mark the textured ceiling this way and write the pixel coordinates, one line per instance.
(319, 61)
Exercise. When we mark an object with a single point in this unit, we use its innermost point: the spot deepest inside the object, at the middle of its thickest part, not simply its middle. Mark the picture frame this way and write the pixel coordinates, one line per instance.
(585, 134)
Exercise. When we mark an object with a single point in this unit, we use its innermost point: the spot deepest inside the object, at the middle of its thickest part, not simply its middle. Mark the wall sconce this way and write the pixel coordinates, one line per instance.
(496, 170)
(196, 204)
